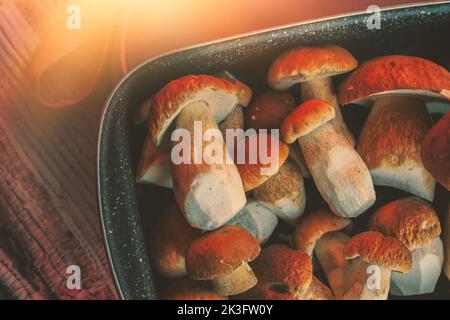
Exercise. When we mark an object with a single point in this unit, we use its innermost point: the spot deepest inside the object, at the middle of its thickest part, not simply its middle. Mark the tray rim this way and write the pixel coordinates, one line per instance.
(199, 45)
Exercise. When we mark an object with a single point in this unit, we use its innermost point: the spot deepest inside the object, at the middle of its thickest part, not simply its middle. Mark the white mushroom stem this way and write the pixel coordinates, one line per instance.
(258, 219)
(323, 89)
(296, 155)
(339, 172)
(208, 192)
(235, 120)
(284, 193)
(154, 166)
(425, 271)
(240, 280)
(365, 281)
(390, 145)
(329, 251)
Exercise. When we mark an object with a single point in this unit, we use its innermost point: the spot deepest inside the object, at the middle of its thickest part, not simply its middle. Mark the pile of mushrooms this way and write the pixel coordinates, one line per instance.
(235, 230)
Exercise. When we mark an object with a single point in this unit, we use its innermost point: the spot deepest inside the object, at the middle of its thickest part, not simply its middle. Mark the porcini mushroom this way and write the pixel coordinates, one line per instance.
(186, 289)
(398, 121)
(330, 252)
(281, 187)
(415, 223)
(268, 111)
(313, 68)
(340, 174)
(284, 270)
(170, 237)
(258, 219)
(313, 226)
(222, 256)
(374, 258)
(209, 193)
(435, 151)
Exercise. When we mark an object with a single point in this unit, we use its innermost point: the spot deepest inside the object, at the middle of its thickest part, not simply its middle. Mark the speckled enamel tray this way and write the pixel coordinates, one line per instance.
(127, 209)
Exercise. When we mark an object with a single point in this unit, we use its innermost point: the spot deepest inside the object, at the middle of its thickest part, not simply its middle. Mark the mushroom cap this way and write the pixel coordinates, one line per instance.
(306, 118)
(268, 291)
(309, 63)
(411, 220)
(268, 110)
(219, 253)
(186, 289)
(220, 95)
(288, 269)
(314, 225)
(374, 247)
(251, 170)
(396, 74)
(435, 151)
(170, 238)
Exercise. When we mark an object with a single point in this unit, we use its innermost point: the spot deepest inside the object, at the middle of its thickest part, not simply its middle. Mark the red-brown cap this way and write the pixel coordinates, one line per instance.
(412, 75)
(220, 252)
(250, 170)
(386, 252)
(306, 118)
(411, 220)
(290, 270)
(435, 151)
(220, 95)
(309, 63)
(268, 110)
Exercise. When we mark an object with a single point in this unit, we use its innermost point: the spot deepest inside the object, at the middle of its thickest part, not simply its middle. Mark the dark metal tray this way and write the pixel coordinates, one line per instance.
(127, 209)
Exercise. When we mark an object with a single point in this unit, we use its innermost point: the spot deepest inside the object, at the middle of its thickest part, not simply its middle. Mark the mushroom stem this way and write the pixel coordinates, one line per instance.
(240, 280)
(209, 193)
(390, 145)
(339, 172)
(363, 283)
(323, 89)
(330, 253)
(447, 243)
(284, 193)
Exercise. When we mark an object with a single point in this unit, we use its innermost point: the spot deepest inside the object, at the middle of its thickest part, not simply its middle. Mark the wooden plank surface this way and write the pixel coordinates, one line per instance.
(48, 202)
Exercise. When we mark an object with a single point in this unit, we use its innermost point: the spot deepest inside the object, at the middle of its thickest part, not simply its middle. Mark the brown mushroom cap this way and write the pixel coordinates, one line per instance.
(251, 174)
(186, 289)
(411, 220)
(170, 238)
(268, 110)
(435, 151)
(308, 63)
(374, 247)
(219, 253)
(306, 118)
(396, 72)
(284, 268)
(220, 95)
(314, 225)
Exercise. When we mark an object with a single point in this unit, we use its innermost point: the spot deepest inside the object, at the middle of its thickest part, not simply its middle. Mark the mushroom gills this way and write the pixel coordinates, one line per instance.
(240, 280)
